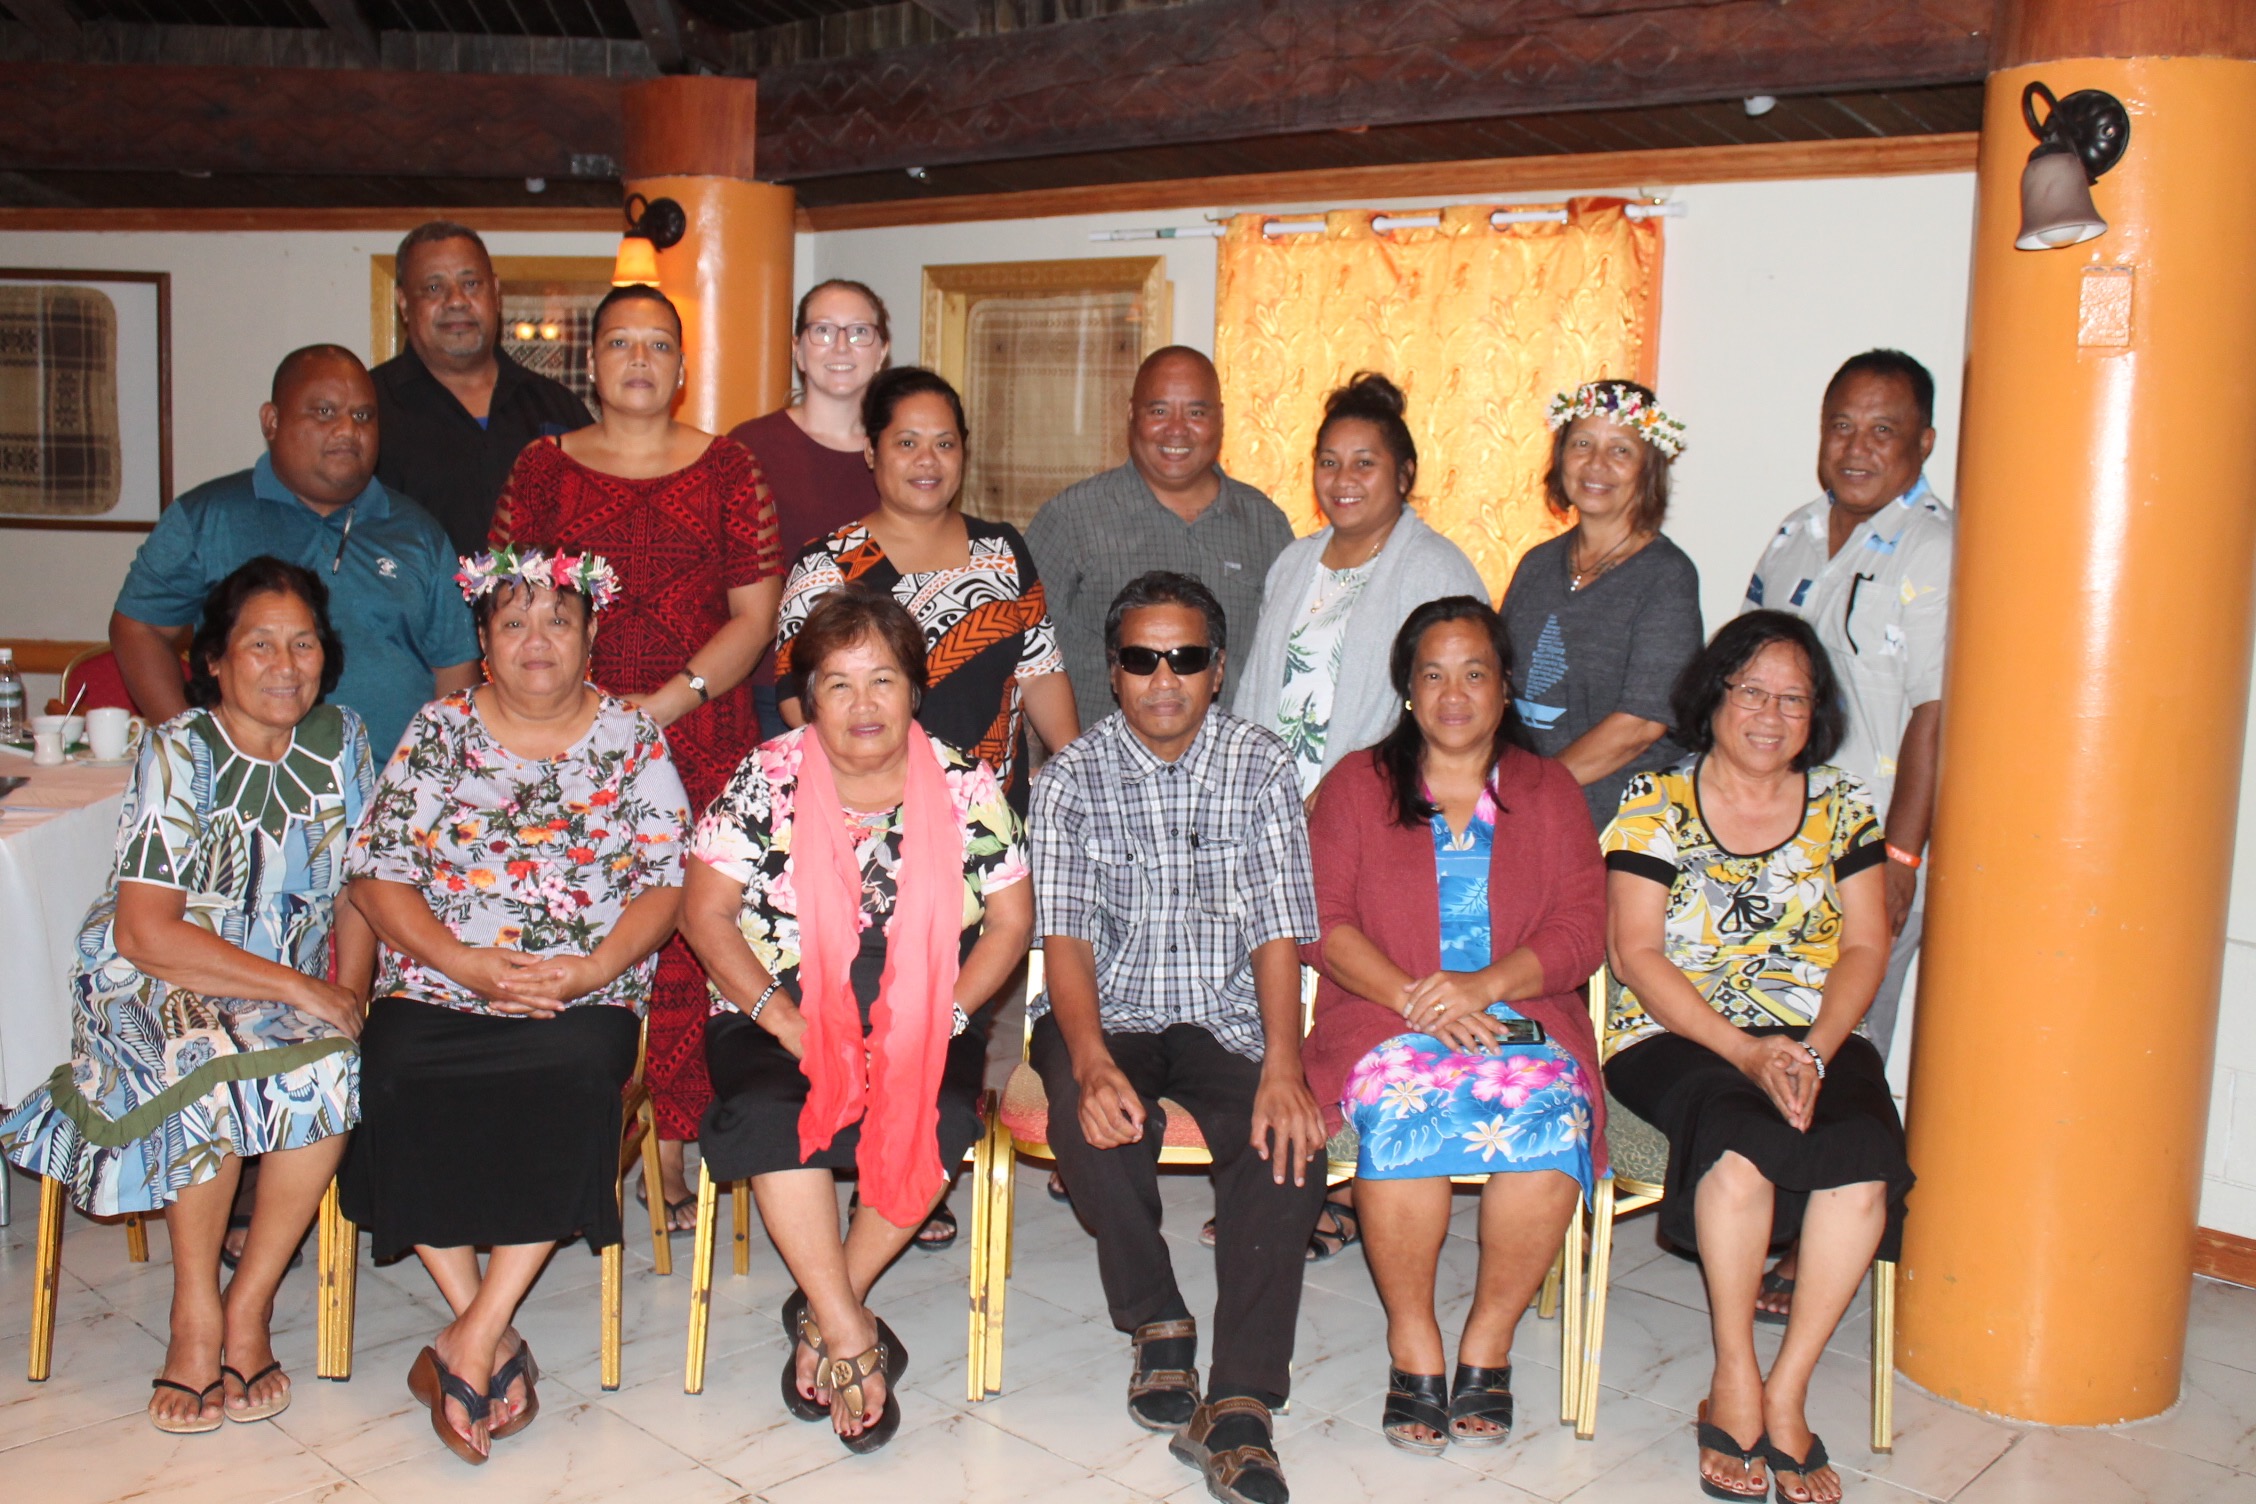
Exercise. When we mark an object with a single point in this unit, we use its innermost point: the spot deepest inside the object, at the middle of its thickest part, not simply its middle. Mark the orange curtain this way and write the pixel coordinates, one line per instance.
(1478, 324)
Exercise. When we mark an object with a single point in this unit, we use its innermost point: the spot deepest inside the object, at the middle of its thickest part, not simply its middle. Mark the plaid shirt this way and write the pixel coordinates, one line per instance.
(1174, 872)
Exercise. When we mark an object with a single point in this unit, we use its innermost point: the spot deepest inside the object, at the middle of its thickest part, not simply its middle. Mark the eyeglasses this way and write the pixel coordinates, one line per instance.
(1749, 697)
(1144, 662)
(860, 336)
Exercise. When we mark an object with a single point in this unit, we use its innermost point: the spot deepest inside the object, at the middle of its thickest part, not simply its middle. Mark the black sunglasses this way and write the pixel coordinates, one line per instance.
(1144, 662)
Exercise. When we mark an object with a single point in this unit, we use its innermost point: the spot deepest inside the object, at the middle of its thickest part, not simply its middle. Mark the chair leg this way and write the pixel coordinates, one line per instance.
(1594, 1329)
(740, 1202)
(338, 1271)
(1883, 1356)
(654, 1189)
(1547, 1299)
(701, 1283)
(982, 1232)
(47, 1273)
(136, 1239)
(1570, 1319)
(1002, 1214)
(614, 1292)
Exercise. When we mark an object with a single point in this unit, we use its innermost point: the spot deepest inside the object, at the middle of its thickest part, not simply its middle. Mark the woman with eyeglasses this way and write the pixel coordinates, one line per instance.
(686, 520)
(1747, 925)
(811, 451)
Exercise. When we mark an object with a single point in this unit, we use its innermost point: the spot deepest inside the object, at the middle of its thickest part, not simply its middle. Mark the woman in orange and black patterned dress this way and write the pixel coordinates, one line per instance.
(686, 520)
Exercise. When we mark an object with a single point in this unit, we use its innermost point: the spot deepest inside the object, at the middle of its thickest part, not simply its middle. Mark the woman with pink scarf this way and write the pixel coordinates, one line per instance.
(858, 896)
(1462, 905)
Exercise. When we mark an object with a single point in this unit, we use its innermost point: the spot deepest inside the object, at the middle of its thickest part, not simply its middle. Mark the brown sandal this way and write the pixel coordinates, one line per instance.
(1226, 1469)
(846, 1378)
(431, 1382)
(1160, 1385)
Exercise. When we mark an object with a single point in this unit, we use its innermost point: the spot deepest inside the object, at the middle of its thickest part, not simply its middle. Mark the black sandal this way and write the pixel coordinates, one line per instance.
(249, 1415)
(434, 1384)
(799, 1330)
(1344, 1232)
(241, 1222)
(929, 1244)
(197, 1426)
(847, 1376)
(519, 1366)
(1778, 1287)
(1714, 1438)
(1416, 1399)
(1161, 1399)
(1781, 1463)
(1477, 1393)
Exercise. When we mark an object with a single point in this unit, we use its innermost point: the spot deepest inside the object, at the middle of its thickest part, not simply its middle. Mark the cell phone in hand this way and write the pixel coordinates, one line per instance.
(1519, 1031)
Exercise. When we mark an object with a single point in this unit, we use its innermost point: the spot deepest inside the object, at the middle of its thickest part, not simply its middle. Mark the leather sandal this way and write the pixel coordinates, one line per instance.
(434, 1384)
(1477, 1393)
(799, 1330)
(1781, 1463)
(1416, 1399)
(1714, 1438)
(195, 1425)
(1778, 1287)
(846, 1377)
(1160, 1399)
(520, 1365)
(1227, 1470)
(251, 1413)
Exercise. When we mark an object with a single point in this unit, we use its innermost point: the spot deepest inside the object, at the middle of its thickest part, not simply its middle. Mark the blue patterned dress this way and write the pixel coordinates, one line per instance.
(163, 1083)
(1422, 1109)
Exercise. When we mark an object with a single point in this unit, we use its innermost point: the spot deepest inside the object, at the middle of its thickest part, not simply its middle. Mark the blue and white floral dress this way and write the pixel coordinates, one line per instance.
(164, 1083)
(1423, 1109)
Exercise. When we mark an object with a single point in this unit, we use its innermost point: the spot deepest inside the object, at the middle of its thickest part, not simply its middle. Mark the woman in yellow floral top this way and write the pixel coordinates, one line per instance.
(1747, 924)
(521, 865)
(859, 893)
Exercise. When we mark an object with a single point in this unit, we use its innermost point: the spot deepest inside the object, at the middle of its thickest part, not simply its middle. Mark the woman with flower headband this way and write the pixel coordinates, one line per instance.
(687, 521)
(1604, 616)
(521, 865)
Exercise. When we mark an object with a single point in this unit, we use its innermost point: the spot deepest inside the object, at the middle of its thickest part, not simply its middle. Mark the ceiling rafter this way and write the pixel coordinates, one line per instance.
(678, 41)
(353, 28)
(52, 19)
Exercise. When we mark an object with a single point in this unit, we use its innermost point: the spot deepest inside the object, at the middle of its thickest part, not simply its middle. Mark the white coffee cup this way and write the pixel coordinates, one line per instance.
(46, 740)
(110, 732)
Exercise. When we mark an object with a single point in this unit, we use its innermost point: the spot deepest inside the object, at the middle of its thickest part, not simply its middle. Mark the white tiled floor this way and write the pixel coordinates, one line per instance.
(1057, 1433)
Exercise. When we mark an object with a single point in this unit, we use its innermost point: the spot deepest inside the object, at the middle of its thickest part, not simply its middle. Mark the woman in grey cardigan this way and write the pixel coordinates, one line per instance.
(1317, 672)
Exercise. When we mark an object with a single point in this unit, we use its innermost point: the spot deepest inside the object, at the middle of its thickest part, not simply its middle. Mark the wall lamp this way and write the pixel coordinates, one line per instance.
(2079, 139)
(653, 225)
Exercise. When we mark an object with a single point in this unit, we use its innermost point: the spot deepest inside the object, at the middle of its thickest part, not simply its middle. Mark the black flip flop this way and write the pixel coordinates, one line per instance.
(196, 1427)
(271, 1408)
(1801, 1468)
(519, 1366)
(241, 1222)
(1714, 1438)
(1055, 1185)
(1777, 1286)
(940, 1213)
(432, 1382)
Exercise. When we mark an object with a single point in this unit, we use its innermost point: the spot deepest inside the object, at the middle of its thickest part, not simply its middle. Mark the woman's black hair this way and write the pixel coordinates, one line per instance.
(224, 607)
(897, 384)
(846, 618)
(1401, 753)
(632, 292)
(1700, 688)
(483, 608)
(1371, 398)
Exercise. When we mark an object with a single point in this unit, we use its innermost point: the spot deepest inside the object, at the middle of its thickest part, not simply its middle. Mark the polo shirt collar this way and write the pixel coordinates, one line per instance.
(372, 502)
(1223, 494)
(508, 378)
(1139, 762)
(1889, 521)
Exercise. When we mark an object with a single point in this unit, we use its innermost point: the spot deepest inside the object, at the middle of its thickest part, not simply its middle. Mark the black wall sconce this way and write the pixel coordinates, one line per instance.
(2079, 139)
(653, 225)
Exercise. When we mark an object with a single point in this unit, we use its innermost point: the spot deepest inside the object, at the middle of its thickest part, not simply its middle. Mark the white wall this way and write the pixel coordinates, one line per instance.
(1767, 287)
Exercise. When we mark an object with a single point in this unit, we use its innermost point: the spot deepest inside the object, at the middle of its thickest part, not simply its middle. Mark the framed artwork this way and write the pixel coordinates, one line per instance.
(547, 312)
(85, 399)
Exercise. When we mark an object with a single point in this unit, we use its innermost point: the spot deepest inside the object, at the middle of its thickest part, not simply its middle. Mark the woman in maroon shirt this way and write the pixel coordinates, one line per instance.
(813, 452)
(686, 520)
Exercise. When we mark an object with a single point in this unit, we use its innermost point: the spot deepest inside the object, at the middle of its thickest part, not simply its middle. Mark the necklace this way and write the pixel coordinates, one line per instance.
(1581, 575)
(1346, 577)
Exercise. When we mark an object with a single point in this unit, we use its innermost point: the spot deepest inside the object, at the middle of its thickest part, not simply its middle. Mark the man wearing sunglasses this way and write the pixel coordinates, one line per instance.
(1171, 871)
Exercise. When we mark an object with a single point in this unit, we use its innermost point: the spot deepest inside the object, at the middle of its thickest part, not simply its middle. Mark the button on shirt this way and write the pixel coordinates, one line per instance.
(387, 563)
(452, 463)
(1881, 606)
(1096, 535)
(1173, 872)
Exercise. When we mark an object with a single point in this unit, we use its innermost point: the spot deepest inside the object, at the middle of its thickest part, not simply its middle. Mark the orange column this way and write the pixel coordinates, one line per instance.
(690, 139)
(2098, 680)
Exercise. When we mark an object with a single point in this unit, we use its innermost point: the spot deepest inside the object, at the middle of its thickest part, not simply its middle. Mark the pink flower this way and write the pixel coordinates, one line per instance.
(1510, 1080)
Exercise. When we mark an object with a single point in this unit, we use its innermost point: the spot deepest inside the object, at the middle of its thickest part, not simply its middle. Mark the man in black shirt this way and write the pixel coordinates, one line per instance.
(453, 408)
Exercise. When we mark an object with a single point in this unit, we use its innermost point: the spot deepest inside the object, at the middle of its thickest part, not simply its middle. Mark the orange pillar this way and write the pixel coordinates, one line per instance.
(2097, 684)
(690, 139)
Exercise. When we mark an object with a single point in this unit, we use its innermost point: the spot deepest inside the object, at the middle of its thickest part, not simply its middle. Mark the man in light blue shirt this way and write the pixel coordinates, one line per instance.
(312, 499)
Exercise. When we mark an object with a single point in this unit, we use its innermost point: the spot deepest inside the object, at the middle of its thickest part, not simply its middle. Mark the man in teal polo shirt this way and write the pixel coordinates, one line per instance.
(312, 499)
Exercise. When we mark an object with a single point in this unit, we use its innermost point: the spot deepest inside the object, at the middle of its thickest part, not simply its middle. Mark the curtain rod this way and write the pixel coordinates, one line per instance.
(1382, 222)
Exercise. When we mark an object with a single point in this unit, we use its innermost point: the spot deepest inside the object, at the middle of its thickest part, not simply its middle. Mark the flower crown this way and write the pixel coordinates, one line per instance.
(590, 574)
(1624, 404)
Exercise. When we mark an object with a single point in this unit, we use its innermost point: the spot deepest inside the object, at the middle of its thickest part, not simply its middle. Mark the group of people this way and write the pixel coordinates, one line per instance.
(715, 751)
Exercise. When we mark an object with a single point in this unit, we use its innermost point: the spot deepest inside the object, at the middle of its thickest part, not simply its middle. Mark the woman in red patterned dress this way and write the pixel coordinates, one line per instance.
(687, 521)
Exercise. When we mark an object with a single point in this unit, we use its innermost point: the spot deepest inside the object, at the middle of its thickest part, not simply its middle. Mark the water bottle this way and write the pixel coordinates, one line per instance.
(14, 722)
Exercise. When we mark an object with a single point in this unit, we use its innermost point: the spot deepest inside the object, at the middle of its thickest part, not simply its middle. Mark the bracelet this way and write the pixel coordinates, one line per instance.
(962, 1020)
(1816, 1059)
(760, 1005)
(1910, 859)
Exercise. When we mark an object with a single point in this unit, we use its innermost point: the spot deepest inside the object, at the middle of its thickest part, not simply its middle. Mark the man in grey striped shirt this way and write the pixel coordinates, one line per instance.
(1170, 507)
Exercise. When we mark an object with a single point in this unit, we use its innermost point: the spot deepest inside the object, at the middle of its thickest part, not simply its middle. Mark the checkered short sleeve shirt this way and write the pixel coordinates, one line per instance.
(1174, 873)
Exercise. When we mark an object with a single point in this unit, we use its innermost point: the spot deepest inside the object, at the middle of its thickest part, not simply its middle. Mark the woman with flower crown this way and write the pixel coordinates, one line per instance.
(1605, 615)
(521, 864)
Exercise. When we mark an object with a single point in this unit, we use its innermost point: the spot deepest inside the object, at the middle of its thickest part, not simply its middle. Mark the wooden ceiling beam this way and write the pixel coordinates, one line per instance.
(678, 41)
(963, 15)
(127, 117)
(52, 19)
(353, 29)
(1233, 69)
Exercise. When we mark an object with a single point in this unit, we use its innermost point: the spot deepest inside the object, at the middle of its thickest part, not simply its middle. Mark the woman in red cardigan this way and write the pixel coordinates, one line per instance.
(1462, 905)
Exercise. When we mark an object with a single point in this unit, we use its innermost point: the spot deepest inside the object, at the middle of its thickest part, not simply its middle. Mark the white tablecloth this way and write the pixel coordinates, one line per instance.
(58, 835)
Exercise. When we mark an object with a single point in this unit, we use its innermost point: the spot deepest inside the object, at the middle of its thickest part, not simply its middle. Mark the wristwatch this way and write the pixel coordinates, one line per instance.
(697, 682)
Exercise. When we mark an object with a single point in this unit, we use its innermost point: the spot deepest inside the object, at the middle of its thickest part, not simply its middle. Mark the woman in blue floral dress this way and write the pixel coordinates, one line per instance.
(206, 1030)
(1462, 905)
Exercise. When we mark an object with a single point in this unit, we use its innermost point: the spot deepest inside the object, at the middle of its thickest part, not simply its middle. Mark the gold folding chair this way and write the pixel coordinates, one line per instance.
(339, 1259)
(1640, 1164)
(47, 1269)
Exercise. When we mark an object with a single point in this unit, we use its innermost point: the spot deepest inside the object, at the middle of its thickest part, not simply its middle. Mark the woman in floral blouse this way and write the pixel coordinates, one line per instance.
(521, 865)
(858, 896)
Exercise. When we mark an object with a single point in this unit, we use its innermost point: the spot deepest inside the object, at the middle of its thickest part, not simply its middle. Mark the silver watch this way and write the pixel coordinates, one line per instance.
(697, 682)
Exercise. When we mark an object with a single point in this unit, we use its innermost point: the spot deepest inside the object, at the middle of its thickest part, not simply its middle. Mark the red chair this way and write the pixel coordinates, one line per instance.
(97, 670)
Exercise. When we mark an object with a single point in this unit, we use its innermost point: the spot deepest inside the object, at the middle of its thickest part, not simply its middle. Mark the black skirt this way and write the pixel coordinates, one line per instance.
(752, 1126)
(1705, 1106)
(478, 1130)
